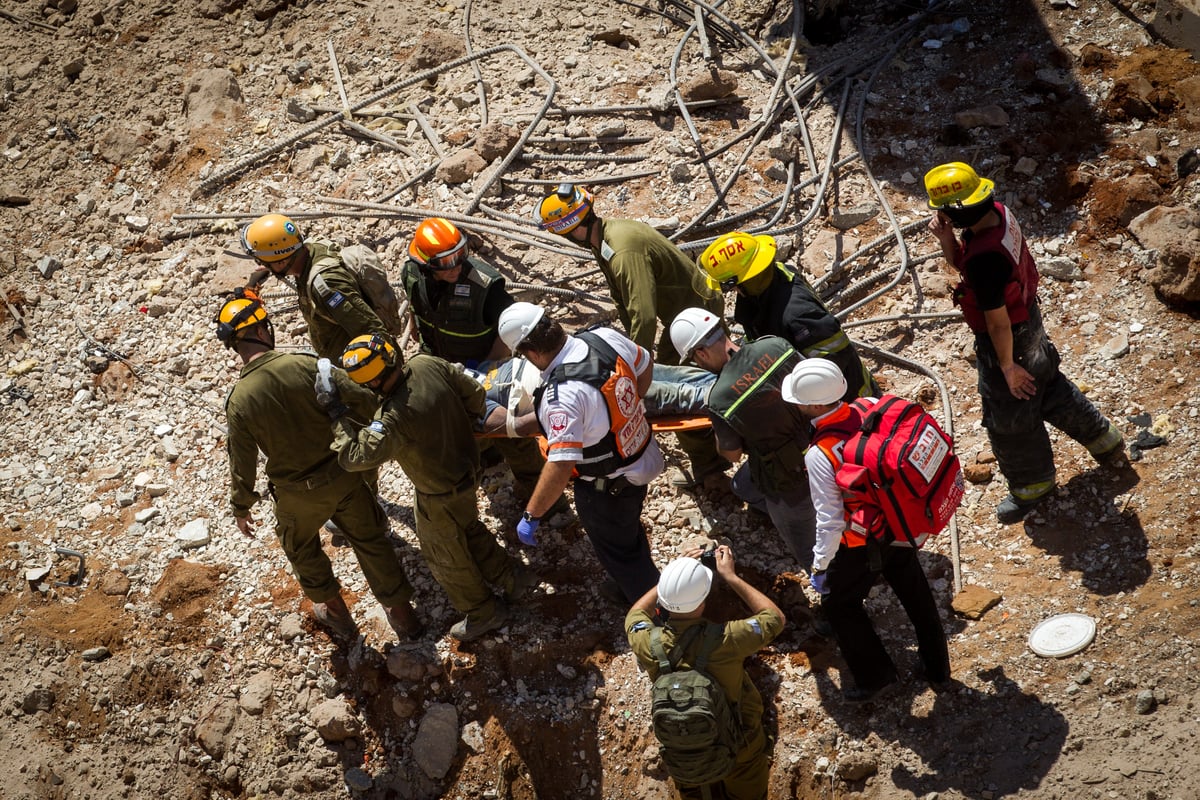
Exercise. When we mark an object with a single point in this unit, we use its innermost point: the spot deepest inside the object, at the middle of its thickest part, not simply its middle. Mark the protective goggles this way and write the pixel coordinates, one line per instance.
(448, 259)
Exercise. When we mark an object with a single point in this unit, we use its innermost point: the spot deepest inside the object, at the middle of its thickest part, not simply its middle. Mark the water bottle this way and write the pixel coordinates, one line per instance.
(324, 378)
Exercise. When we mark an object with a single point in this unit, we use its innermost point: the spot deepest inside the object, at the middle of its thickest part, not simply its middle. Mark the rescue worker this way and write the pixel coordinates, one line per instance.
(749, 416)
(425, 425)
(846, 564)
(590, 409)
(333, 303)
(1020, 383)
(272, 408)
(776, 300)
(650, 279)
(682, 591)
(456, 300)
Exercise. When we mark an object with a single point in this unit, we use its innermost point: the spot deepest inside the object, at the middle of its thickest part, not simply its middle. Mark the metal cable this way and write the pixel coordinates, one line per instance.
(589, 158)
(213, 181)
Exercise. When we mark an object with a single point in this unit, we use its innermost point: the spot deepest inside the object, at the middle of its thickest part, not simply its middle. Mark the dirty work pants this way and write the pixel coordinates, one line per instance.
(613, 523)
(749, 778)
(461, 552)
(792, 515)
(850, 577)
(1017, 428)
(349, 500)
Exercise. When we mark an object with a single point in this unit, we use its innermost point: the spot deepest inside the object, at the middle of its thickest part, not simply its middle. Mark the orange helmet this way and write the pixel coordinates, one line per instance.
(562, 211)
(271, 238)
(242, 311)
(438, 244)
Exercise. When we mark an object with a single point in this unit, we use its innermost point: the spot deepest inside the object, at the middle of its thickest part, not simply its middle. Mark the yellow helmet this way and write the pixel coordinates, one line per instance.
(242, 311)
(271, 238)
(367, 357)
(562, 211)
(736, 258)
(438, 244)
(956, 184)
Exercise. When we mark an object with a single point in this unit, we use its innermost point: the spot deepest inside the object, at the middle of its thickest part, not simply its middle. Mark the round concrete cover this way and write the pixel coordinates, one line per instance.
(1062, 635)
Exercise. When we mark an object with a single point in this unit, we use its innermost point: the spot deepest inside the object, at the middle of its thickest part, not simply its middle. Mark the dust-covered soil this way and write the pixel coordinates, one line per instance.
(149, 649)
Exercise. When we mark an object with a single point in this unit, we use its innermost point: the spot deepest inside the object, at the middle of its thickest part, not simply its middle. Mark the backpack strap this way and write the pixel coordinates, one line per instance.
(713, 634)
(668, 662)
(656, 650)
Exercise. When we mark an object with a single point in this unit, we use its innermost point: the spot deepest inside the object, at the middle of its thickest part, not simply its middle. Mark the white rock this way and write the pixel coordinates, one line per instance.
(145, 515)
(194, 534)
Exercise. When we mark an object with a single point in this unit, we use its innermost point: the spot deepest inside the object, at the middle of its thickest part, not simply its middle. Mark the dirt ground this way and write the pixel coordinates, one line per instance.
(196, 672)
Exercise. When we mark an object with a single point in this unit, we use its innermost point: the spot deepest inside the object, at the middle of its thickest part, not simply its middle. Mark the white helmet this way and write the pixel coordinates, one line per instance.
(684, 585)
(691, 328)
(517, 321)
(814, 382)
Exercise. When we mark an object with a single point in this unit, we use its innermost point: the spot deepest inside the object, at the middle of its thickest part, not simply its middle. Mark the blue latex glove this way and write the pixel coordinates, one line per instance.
(527, 530)
(818, 580)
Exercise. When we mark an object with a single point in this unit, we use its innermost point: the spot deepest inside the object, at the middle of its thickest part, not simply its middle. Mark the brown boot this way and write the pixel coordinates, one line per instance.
(405, 622)
(335, 616)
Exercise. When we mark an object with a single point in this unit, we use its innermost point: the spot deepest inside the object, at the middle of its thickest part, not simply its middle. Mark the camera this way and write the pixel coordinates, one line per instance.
(709, 558)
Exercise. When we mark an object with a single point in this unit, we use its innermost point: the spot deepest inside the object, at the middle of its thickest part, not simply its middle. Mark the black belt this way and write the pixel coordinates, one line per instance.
(613, 486)
(315, 482)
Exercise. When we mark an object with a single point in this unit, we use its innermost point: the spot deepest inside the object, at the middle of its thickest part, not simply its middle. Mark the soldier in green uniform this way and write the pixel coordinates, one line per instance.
(425, 424)
(651, 280)
(333, 302)
(273, 408)
(456, 301)
(776, 300)
(682, 590)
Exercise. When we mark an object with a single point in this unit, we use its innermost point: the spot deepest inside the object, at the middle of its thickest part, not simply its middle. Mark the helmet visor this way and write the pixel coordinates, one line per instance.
(448, 259)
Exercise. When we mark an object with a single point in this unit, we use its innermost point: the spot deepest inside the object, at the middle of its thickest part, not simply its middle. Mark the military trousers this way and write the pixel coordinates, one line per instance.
(463, 555)
(349, 500)
(747, 781)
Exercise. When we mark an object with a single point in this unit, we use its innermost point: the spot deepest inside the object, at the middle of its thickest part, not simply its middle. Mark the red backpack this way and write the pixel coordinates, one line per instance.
(899, 474)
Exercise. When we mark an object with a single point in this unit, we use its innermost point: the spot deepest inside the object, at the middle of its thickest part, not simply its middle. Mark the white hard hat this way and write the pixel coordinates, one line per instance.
(691, 328)
(684, 585)
(517, 321)
(814, 382)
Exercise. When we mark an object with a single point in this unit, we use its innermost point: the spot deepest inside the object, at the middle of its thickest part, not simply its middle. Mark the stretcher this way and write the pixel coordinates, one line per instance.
(699, 422)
